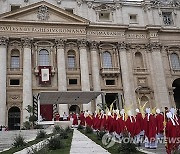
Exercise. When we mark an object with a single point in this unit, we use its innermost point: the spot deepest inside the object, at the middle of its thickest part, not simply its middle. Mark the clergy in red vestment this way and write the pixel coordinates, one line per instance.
(82, 119)
(89, 119)
(120, 124)
(131, 125)
(159, 123)
(150, 129)
(139, 120)
(109, 123)
(57, 117)
(171, 131)
(75, 119)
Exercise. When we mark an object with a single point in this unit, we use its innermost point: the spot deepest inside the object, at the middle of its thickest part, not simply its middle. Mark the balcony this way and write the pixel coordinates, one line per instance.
(110, 72)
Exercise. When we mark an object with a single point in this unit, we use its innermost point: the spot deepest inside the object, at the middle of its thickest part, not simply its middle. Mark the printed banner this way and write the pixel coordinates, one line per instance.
(44, 74)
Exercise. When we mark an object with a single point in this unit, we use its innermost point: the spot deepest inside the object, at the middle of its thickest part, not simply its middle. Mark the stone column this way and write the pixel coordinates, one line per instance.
(62, 82)
(125, 75)
(95, 71)
(27, 77)
(85, 84)
(3, 68)
(159, 75)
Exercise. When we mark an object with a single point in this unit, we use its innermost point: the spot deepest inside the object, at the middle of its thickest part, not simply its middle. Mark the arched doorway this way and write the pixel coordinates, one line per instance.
(14, 118)
(74, 108)
(176, 86)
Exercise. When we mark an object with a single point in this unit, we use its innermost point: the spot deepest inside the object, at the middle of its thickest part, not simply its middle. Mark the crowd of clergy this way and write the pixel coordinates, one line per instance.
(151, 125)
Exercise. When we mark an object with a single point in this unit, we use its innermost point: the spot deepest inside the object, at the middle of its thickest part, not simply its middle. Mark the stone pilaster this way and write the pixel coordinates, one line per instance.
(62, 82)
(3, 68)
(125, 75)
(27, 77)
(85, 83)
(161, 90)
(95, 71)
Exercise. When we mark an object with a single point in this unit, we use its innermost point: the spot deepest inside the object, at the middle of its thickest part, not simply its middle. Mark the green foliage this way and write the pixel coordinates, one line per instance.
(80, 127)
(100, 134)
(68, 129)
(32, 118)
(57, 129)
(26, 125)
(19, 141)
(63, 134)
(41, 134)
(127, 148)
(88, 130)
(55, 143)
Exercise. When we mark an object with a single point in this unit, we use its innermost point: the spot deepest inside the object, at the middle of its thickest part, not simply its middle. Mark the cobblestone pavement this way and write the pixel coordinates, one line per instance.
(6, 137)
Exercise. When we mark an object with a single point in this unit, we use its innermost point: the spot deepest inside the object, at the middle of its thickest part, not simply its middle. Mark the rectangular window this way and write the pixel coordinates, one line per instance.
(14, 82)
(69, 10)
(15, 7)
(73, 81)
(104, 16)
(167, 18)
(71, 62)
(14, 62)
(110, 82)
(133, 18)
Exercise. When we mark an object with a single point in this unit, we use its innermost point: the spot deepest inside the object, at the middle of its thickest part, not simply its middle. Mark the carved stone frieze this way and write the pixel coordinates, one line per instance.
(93, 45)
(3, 41)
(122, 46)
(170, 3)
(155, 46)
(60, 43)
(82, 43)
(43, 13)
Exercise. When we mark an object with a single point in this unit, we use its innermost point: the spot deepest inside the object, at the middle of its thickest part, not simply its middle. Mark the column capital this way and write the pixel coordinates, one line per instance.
(60, 43)
(3, 41)
(154, 46)
(26, 42)
(122, 46)
(94, 45)
(82, 43)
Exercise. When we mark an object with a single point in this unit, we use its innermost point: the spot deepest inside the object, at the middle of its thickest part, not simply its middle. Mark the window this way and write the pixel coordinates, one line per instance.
(14, 82)
(175, 63)
(107, 60)
(110, 82)
(72, 81)
(104, 16)
(139, 60)
(71, 59)
(69, 10)
(133, 18)
(15, 59)
(15, 7)
(43, 57)
(167, 18)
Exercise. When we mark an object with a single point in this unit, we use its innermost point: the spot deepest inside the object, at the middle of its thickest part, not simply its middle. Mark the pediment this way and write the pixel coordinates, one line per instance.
(42, 12)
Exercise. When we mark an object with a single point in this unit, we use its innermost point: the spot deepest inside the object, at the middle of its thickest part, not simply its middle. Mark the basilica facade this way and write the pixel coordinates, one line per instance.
(129, 50)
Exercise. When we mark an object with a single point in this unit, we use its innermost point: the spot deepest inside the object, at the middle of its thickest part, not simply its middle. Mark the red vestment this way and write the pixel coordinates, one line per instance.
(139, 121)
(160, 123)
(82, 119)
(109, 124)
(150, 127)
(171, 136)
(89, 121)
(57, 117)
(131, 126)
(75, 119)
(120, 125)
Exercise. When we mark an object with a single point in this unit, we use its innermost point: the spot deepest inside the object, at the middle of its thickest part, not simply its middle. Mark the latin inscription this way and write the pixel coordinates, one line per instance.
(69, 31)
